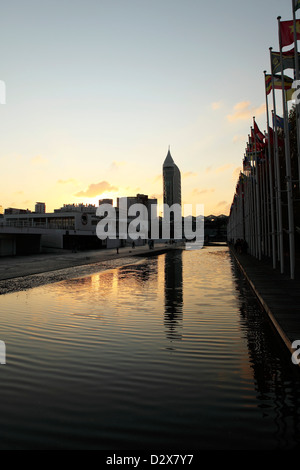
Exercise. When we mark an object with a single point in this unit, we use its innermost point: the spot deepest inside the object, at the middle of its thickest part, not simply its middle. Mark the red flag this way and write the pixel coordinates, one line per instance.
(271, 135)
(260, 136)
(287, 32)
(272, 138)
(256, 143)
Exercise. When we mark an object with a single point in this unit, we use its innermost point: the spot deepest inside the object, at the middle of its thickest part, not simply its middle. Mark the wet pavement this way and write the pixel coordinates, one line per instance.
(24, 272)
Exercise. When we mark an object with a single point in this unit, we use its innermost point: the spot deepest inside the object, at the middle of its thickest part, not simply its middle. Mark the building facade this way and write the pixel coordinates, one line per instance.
(171, 181)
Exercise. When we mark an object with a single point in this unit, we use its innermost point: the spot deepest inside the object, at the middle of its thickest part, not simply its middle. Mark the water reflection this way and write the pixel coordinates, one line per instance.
(138, 274)
(173, 283)
(106, 360)
(276, 379)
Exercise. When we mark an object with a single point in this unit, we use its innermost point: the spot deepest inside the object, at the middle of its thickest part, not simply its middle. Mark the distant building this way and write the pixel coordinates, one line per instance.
(124, 204)
(40, 208)
(106, 201)
(90, 208)
(138, 199)
(13, 210)
(171, 181)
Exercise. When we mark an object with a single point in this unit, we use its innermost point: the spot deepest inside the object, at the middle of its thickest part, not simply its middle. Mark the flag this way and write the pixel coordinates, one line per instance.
(287, 32)
(255, 147)
(246, 164)
(289, 94)
(268, 80)
(271, 136)
(258, 134)
(288, 60)
(250, 153)
(277, 82)
(278, 121)
(296, 4)
(261, 158)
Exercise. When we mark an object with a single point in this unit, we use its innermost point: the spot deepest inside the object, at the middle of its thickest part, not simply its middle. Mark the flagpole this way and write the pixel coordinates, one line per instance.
(268, 202)
(263, 206)
(297, 78)
(271, 181)
(257, 193)
(246, 202)
(288, 168)
(277, 180)
(252, 207)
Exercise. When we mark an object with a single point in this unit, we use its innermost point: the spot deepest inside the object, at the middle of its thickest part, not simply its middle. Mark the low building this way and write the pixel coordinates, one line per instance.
(71, 227)
(65, 228)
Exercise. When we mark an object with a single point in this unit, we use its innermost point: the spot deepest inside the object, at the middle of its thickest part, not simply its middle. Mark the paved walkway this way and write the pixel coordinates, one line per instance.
(279, 295)
(19, 266)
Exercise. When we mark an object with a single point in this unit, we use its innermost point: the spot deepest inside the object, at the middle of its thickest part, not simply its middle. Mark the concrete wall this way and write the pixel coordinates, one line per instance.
(28, 244)
(7, 245)
(52, 240)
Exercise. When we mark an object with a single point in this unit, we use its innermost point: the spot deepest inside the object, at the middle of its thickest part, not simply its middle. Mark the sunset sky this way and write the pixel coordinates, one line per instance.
(97, 90)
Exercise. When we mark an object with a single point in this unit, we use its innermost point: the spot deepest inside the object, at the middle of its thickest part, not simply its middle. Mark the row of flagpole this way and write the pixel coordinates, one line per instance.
(263, 210)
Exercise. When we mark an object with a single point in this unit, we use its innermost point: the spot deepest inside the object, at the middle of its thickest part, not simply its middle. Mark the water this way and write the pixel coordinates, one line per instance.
(170, 353)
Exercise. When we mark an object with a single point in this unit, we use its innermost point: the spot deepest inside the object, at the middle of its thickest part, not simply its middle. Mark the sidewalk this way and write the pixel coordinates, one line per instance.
(278, 294)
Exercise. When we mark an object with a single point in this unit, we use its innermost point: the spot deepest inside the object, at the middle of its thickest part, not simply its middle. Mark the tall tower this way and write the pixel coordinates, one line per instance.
(172, 181)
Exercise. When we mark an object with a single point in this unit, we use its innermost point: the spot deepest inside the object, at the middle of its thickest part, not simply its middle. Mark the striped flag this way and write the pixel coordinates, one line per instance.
(268, 80)
(288, 82)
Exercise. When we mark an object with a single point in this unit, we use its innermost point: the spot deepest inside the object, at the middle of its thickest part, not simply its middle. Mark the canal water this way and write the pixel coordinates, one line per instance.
(172, 352)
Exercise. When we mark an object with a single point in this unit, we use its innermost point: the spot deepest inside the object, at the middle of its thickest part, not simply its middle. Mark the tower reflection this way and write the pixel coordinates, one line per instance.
(173, 295)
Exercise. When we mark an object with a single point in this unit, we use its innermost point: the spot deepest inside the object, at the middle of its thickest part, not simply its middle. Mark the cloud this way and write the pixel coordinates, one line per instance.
(216, 105)
(220, 169)
(197, 192)
(116, 165)
(38, 159)
(238, 138)
(243, 110)
(222, 203)
(187, 174)
(95, 189)
(223, 168)
(157, 178)
(70, 180)
(26, 203)
(236, 172)
(223, 207)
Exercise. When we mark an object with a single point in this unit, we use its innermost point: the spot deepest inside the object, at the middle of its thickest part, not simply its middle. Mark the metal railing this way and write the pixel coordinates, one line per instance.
(30, 224)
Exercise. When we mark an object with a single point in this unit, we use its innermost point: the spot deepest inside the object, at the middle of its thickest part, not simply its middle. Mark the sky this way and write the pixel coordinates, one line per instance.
(97, 91)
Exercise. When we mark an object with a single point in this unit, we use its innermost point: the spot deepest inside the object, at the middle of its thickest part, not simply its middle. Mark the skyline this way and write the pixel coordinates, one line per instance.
(97, 92)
